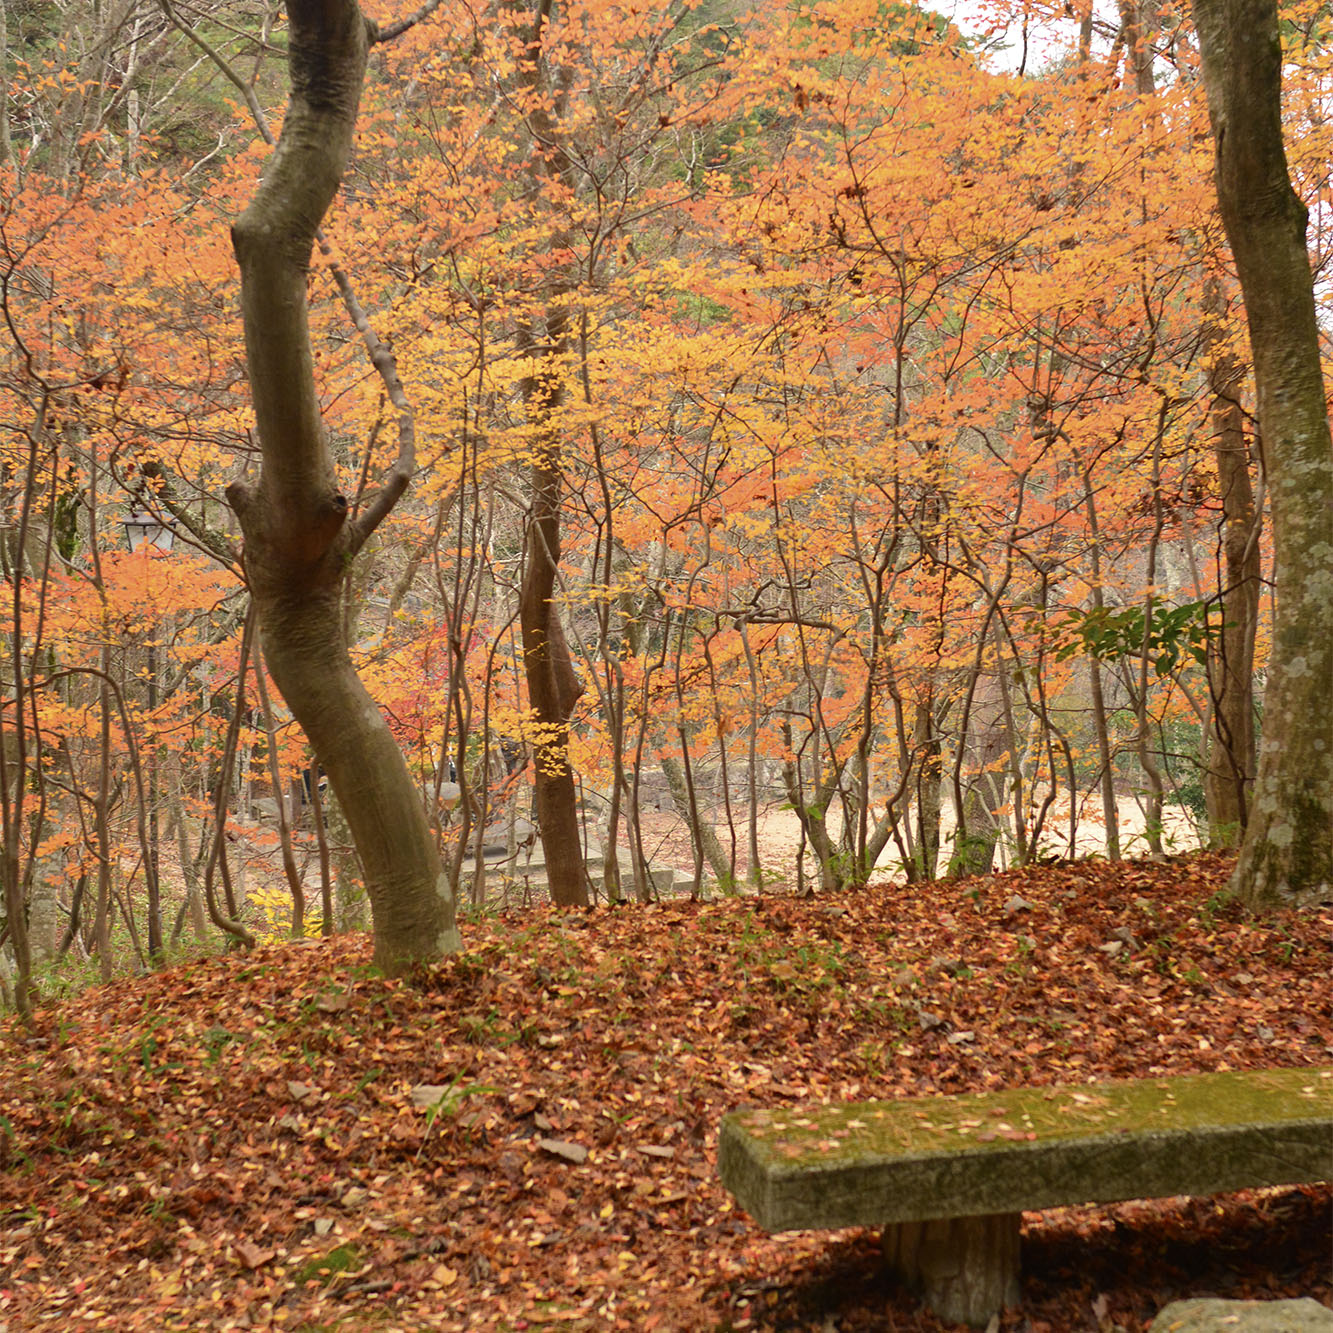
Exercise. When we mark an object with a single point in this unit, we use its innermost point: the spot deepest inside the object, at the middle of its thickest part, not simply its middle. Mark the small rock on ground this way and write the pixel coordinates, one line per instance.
(1217, 1316)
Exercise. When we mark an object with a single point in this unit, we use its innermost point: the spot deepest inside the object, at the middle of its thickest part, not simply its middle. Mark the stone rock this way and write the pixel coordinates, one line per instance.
(1218, 1316)
(965, 1267)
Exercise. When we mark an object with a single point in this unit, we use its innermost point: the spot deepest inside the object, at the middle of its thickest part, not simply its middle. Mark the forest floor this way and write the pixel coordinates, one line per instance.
(235, 1143)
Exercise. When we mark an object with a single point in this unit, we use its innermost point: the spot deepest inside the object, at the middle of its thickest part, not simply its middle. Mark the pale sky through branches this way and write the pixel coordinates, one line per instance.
(1014, 36)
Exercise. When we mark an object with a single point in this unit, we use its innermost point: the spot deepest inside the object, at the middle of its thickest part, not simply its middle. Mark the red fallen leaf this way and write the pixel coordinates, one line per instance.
(251, 1255)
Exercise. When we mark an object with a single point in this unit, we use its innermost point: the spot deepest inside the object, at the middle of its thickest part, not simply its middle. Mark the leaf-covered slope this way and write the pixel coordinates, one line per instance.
(237, 1143)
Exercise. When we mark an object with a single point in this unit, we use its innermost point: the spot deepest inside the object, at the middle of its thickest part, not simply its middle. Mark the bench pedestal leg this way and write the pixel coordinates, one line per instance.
(966, 1268)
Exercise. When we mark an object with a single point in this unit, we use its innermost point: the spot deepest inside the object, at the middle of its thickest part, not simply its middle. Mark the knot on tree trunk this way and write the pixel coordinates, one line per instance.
(289, 552)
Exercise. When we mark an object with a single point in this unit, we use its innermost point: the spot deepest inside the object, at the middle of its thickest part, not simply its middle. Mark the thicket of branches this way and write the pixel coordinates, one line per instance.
(891, 412)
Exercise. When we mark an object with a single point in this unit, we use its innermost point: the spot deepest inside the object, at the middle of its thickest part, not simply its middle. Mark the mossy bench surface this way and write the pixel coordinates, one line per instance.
(880, 1163)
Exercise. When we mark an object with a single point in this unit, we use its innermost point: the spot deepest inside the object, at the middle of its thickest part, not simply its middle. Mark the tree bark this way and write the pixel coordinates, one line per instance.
(929, 775)
(1138, 19)
(1287, 852)
(299, 536)
(978, 828)
(1105, 753)
(1230, 774)
(553, 686)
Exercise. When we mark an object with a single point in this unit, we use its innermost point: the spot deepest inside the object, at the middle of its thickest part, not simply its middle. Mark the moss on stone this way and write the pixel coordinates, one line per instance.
(879, 1162)
(980, 1122)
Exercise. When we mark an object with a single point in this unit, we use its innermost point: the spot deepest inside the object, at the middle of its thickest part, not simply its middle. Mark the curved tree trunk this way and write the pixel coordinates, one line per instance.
(1287, 852)
(299, 535)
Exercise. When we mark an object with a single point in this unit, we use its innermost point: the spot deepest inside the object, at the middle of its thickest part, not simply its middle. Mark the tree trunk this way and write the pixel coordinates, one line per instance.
(978, 827)
(553, 686)
(929, 775)
(299, 536)
(6, 144)
(1230, 774)
(1105, 753)
(1287, 852)
(1138, 20)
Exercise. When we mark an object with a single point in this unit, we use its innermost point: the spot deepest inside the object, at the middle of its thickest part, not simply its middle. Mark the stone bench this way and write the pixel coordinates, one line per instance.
(947, 1177)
